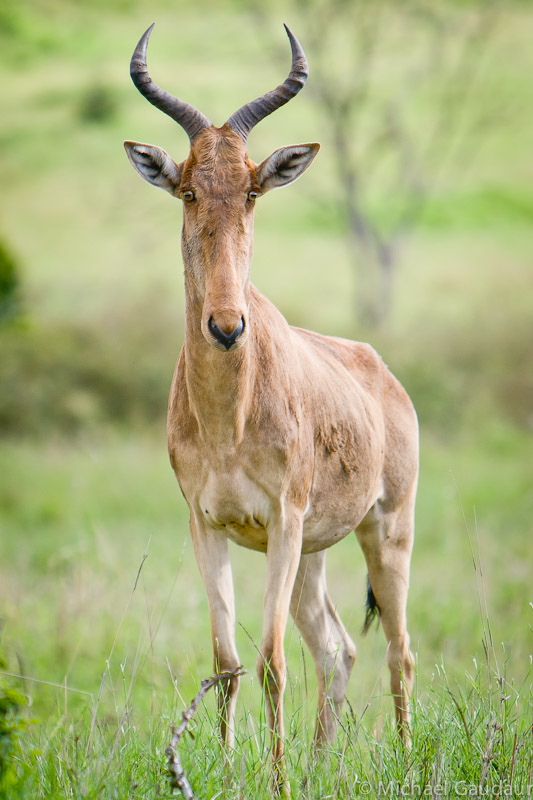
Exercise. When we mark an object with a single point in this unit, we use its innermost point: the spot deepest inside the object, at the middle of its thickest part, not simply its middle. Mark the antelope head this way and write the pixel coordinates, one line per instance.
(218, 185)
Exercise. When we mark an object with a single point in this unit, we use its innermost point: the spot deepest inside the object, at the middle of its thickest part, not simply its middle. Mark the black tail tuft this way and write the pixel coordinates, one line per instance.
(372, 609)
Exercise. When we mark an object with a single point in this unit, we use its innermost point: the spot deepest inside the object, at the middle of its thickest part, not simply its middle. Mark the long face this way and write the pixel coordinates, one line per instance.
(218, 188)
(218, 185)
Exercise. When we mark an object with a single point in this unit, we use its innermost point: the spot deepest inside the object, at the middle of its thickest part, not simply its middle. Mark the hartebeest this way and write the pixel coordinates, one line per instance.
(281, 439)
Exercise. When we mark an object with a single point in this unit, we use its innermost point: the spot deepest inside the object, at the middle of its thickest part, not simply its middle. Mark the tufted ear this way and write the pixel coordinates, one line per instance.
(285, 165)
(154, 165)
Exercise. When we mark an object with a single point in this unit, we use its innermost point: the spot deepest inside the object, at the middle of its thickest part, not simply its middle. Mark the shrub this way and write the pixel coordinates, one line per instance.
(9, 284)
(65, 379)
(98, 105)
(12, 724)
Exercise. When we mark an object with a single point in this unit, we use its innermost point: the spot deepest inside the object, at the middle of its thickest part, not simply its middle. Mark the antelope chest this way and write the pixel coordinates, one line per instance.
(231, 501)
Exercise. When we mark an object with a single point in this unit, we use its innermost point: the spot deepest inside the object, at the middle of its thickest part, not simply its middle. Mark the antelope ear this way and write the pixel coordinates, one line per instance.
(154, 165)
(285, 165)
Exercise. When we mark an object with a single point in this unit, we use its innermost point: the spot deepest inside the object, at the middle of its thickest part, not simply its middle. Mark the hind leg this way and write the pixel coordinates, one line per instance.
(386, 538)
(322, 630)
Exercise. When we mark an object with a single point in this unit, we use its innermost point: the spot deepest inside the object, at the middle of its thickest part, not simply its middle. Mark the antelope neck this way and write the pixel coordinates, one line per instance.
(219, 383)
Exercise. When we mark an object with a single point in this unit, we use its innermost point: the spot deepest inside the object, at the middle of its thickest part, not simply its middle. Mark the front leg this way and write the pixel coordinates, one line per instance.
(283, 556)
(211, 550)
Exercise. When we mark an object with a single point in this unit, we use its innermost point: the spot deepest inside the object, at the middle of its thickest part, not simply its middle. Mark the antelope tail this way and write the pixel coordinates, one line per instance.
(372, 609)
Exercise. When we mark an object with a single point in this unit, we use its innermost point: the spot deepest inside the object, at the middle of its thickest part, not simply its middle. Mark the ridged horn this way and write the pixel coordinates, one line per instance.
(243, 120)
(191, 120)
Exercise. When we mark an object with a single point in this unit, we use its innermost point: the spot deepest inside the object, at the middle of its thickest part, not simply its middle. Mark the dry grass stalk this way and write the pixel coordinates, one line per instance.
(177, 775)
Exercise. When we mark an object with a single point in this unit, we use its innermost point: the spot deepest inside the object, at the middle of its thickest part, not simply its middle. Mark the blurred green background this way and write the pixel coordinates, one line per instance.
(438, 102)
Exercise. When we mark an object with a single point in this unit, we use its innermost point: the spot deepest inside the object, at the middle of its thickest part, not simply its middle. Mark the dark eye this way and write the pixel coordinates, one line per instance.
(188, 196)
(252, 196)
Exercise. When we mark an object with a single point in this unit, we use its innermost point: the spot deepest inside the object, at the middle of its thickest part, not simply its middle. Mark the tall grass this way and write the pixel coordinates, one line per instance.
(106, 737)
(470, 737)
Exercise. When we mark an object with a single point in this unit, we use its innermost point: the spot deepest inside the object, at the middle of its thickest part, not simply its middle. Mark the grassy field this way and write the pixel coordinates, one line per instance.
(98, 656)
(103, 620)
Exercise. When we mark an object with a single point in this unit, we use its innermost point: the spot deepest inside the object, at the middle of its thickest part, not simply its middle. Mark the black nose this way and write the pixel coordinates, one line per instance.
(226, 339)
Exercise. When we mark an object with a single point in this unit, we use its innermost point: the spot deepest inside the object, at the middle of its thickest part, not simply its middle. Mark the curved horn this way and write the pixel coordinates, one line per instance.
(190, 119)
(243, 120)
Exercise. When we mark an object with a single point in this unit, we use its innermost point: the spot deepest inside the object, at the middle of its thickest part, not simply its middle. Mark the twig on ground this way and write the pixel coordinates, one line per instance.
(177, 775)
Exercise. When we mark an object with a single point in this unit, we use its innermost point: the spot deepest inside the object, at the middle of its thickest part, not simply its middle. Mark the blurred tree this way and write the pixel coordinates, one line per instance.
(98, 104)
(394, 83)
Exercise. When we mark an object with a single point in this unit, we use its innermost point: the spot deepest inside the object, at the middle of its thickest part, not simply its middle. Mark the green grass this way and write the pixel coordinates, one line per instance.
(77, 523)
(469, 739)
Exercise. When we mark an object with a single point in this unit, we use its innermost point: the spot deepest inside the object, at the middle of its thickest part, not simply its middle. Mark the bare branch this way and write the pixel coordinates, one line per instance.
(448, 133)
(178, 778)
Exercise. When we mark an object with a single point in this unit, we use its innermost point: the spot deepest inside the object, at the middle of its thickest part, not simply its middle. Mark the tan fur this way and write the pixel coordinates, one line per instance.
(285, 444)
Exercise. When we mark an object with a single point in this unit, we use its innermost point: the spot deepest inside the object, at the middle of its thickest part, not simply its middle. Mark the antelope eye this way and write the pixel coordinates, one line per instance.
(252, 196)
(188, 196)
